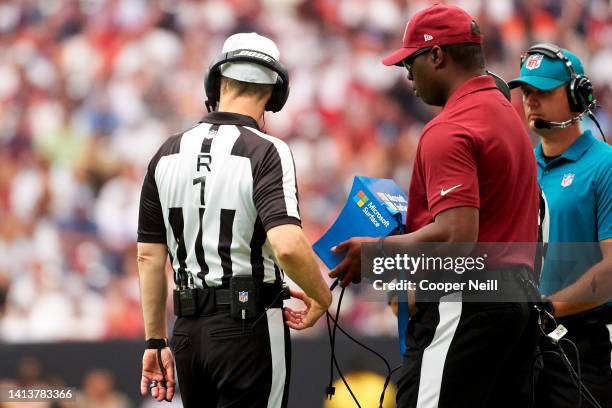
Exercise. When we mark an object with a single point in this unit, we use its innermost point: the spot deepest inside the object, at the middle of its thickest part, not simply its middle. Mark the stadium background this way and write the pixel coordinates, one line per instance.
(88, 91)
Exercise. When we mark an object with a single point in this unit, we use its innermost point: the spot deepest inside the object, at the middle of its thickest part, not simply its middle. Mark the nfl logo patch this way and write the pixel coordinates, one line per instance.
(568, 179)
(534, 61)
(243, 296)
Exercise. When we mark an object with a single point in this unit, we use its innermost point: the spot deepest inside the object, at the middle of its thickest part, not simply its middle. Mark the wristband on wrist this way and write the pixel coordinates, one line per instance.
(156, 344)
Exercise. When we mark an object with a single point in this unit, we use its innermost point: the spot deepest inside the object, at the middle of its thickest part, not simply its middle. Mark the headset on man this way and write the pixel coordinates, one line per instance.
(579, 89)
(212, 82)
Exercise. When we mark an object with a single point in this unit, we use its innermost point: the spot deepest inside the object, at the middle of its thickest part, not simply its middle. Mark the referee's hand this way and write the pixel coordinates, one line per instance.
(303, 319)
(349, 270)
(152, 372)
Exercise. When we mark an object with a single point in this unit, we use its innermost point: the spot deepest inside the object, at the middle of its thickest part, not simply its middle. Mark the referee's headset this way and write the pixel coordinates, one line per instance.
(579, 89)
(212, 81)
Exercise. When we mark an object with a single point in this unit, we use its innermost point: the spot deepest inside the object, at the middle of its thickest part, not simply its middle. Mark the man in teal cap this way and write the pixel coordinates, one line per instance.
(575, 174)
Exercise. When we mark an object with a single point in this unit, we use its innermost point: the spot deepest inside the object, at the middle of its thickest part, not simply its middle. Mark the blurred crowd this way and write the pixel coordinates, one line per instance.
(96, 390)
(89, 89)
(102, 388)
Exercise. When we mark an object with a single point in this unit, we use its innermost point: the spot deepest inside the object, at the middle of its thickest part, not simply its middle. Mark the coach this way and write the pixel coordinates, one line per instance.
(221, 199)
(474, 180)
(575, 174)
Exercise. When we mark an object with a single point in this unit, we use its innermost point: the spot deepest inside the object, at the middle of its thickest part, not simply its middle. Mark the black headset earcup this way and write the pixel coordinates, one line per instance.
(212, 84)
(584, 89)
(280, 93)
(580, 93)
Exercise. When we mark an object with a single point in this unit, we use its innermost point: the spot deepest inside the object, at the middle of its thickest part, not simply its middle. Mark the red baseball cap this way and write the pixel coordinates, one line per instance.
(440, 24)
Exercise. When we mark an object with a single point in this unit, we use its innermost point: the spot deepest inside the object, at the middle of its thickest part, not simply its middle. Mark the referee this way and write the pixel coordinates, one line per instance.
(473, 161)
(221, 200)
(575, 174)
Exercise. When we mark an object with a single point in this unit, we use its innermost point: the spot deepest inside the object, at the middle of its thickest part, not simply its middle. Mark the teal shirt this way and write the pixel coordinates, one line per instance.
(578, 190)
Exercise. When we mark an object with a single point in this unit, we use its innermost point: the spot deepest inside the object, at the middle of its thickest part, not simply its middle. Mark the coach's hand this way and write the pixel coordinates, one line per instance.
(152, 372)
(303, 319)
(350, 268)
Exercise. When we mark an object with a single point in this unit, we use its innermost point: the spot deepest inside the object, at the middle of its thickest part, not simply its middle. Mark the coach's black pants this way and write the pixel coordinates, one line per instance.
(463, 354)
(222, 364)
(592, 334)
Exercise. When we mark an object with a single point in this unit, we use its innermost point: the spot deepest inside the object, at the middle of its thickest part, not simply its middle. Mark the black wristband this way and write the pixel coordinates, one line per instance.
(156, 343)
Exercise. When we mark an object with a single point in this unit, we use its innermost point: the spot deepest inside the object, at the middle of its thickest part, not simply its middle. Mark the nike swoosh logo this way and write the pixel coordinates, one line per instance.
(444, 192)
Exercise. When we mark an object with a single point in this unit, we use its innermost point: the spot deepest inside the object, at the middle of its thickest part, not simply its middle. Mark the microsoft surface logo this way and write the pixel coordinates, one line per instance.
(360, 198)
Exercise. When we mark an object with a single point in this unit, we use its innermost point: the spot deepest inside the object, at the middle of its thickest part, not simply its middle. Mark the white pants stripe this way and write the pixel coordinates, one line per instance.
(277, 348)
(609, 326)
(434, 356)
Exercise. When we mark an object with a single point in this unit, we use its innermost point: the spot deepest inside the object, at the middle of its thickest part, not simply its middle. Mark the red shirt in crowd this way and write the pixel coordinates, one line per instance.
(476, 153)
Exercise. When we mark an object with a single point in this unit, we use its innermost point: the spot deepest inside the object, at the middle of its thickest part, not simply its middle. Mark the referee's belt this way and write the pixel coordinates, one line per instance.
(269, 295)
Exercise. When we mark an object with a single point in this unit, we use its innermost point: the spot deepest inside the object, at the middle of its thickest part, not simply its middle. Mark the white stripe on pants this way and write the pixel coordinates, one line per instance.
(276, 331)
(434, 356)
(609, 326)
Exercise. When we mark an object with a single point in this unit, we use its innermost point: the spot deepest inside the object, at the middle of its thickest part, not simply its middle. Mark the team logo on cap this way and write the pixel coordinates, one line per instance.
(428, 37)
(534, 61)
(568, 179)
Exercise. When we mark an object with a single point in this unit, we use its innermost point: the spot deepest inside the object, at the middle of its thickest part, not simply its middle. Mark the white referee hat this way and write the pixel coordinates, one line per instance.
(248, 71)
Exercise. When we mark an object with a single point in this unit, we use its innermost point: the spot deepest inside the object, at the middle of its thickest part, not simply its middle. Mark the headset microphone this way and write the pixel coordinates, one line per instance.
(545, 124)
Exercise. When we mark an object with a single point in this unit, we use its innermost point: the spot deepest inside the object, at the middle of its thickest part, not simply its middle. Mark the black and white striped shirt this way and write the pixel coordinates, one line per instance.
(211, 194)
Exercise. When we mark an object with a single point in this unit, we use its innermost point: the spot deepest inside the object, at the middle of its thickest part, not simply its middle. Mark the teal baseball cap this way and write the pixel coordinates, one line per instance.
(545, 72)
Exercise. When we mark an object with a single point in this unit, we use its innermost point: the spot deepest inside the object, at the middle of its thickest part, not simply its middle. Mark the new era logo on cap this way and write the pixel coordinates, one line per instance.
(428, 37)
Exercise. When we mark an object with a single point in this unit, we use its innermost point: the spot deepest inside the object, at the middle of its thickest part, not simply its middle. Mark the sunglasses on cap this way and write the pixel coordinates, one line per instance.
(407, 62)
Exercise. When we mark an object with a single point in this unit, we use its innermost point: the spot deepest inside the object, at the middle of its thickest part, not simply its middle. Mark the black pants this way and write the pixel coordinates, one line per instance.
(222, 364)
(592, 334)
(468, 355)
